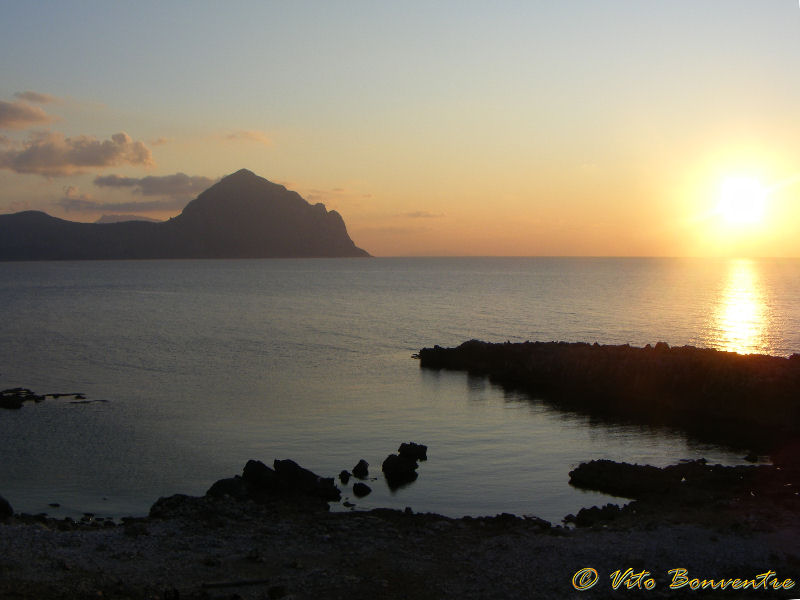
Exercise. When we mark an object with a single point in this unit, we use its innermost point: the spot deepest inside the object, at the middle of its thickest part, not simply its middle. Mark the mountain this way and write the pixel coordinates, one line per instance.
(241, 216)
(123, 218)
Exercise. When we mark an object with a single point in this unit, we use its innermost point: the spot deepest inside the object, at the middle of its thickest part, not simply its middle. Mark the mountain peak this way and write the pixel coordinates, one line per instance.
(241, 173)
(241, 216)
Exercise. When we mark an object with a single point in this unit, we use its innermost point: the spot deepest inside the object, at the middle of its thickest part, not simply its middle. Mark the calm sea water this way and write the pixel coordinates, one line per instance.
(206, 364)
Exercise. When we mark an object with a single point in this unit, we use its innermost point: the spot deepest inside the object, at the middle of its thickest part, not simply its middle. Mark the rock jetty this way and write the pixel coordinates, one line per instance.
(746, 401)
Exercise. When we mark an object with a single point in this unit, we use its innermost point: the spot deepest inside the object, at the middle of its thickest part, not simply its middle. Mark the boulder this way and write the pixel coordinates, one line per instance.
(361, 489)
(413, 451)
(259, 477)
(304, 481)
(399, 470)
(6, 511)
(235, 487)
(361, 470)
(344, 477)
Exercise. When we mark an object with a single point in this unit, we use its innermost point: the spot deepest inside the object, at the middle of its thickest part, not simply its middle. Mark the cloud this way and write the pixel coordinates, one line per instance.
(74, 201)
(35, 97)
(178, 185)
(21, 115)
(251, 135)
(421, 214)
(160, 141)
(53, 155)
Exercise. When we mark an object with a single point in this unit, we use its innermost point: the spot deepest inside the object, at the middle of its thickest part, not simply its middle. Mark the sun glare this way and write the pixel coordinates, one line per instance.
(741, 201)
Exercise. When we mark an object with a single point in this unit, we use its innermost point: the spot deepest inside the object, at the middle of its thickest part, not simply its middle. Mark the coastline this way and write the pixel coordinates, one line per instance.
(216, 547)
(255, 535)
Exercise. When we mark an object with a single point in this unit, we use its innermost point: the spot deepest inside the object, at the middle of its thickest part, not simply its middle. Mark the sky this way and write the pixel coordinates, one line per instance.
(569, 128)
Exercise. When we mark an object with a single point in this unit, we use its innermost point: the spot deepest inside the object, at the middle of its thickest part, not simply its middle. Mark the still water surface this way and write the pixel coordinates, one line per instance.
(206, 364)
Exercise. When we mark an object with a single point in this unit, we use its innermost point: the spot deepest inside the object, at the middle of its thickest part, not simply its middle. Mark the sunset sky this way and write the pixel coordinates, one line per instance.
(435, 128)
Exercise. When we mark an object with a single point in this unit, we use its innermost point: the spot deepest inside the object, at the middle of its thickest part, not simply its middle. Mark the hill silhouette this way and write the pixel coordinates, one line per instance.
(121, 218)
(241, 216)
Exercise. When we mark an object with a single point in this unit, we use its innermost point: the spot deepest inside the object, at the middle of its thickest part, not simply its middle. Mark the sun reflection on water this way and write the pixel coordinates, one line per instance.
(741, 319)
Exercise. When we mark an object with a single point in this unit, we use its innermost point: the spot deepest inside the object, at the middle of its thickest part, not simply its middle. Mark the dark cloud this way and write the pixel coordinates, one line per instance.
(421, 214)
(21, 115)
(74, 201)
(178, 185)
(35, 97)
(53, 155)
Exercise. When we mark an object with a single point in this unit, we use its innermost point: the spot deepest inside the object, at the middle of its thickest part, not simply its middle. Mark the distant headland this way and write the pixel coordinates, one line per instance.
(241, 216)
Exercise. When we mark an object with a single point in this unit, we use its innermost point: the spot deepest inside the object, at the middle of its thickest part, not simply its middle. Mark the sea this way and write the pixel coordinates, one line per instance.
(191, 367)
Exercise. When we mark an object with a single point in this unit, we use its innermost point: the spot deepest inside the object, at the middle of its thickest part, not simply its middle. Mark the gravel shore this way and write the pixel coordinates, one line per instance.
(219, 548)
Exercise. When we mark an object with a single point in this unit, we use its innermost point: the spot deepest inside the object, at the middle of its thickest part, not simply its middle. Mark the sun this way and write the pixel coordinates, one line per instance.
(741, 201)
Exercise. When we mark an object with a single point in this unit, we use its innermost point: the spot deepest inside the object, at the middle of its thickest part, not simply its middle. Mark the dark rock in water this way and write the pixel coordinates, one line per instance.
(413, 451)
(259, 477)
(361, 470)
(305, 481)
(235, 487)
(361, 489)
(13, 398)
(5, 509)
(399, 470)
(344, 477)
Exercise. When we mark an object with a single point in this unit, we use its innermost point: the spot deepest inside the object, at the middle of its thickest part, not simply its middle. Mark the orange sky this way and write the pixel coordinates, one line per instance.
(574, 128)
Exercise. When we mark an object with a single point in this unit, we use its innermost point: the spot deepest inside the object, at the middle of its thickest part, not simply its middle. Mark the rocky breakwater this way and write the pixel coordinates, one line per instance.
(747, 401)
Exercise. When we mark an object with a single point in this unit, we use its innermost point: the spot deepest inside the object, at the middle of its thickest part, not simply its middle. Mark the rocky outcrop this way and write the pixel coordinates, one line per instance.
(749, 401)
(14, 398)
(6, 511)
(687, 478)
(297, 479)
(288, 481)
(399, 470)
(413, 451)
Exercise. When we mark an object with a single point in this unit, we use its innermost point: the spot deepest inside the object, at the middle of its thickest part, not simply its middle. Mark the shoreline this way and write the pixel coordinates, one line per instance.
(287, 544)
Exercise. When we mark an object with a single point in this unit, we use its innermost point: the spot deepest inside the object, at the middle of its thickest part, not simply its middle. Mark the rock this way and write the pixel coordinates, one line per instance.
(13, 398)
(344, 477)
(235, 487)
(413, 451)
(135, 528)
(276, 592)
(361, 470)
(399, 470)
(259, 477)
(6, 511)
(302, 480)
(361, 489)
(590, 516)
